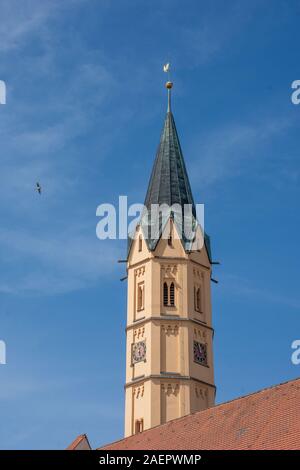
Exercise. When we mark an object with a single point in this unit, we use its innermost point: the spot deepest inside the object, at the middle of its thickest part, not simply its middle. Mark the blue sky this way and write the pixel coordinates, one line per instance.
(85, 107)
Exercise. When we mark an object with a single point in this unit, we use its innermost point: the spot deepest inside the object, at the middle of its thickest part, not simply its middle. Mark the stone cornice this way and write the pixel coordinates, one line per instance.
(177, 377)
(168, 318)
(167, 259)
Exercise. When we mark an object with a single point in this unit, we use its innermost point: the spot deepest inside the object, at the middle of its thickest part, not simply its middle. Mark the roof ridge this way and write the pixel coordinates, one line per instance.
(251, 394)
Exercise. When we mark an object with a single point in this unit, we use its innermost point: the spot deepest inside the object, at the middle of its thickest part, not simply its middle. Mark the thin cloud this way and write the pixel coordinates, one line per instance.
(226, 152)
(245, 288)
(20, 20)
(61, 263)
(217, 27)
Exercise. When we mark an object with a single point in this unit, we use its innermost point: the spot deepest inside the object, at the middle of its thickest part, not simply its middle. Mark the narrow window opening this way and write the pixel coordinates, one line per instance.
(197, 297)
(140, 299)
(172, 294)
(166, 294)
(139, 426)
(140, 243)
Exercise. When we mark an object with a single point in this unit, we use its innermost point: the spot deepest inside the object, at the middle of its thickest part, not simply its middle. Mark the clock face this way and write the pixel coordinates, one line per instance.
(139, 352)
(200, 353)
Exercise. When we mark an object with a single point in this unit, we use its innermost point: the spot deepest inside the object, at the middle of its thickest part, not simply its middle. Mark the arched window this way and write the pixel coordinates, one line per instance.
(140, 243)
(166, 294)
(198, 299)
(170, 240)
(139, 426)
(172, 294)
(140, 296)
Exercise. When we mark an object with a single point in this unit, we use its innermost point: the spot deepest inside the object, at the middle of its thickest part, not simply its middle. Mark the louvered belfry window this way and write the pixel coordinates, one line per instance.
(166, 294)
(169, 294)
(172, 294)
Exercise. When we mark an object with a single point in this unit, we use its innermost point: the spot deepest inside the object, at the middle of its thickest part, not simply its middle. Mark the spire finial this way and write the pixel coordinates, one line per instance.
(169, 85)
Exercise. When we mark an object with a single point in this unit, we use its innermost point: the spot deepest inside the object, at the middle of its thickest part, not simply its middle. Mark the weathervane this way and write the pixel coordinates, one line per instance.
(169, 84)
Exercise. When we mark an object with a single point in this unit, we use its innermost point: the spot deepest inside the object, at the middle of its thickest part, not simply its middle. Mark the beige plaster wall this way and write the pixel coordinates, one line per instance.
(167, 383)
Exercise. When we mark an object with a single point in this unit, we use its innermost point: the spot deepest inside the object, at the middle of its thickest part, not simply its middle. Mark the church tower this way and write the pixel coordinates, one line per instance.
(169, 354)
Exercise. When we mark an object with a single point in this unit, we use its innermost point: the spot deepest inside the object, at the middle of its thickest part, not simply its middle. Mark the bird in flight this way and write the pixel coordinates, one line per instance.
(39, 188)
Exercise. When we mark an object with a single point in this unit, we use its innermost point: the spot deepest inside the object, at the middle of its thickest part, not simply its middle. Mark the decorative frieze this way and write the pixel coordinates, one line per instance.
(201, 392)
(169, 271)
(138, 392)
(170, 329)
(139, 271)
(170, 388)
(138, 333)
(200, 333)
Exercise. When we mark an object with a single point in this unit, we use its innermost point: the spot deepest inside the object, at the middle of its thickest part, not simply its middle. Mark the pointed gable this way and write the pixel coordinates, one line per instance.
(80, 443)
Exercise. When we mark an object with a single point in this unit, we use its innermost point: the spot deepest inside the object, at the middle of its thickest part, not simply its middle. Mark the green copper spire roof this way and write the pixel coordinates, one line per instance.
(169, 182)
(169, 186)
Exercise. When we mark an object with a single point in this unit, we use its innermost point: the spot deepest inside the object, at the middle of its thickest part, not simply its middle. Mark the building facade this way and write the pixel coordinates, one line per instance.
(169, 353)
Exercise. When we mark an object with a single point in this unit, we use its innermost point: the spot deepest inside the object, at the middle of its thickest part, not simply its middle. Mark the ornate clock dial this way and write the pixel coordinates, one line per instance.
(138, 351)
(200, 353)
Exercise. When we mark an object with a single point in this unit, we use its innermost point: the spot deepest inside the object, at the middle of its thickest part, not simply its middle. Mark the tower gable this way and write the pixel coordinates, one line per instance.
(138, 248)
(170, 244)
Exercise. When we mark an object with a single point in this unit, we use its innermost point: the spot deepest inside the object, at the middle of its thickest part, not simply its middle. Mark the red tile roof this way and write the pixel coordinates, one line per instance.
(268, 419)
(80, 443)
